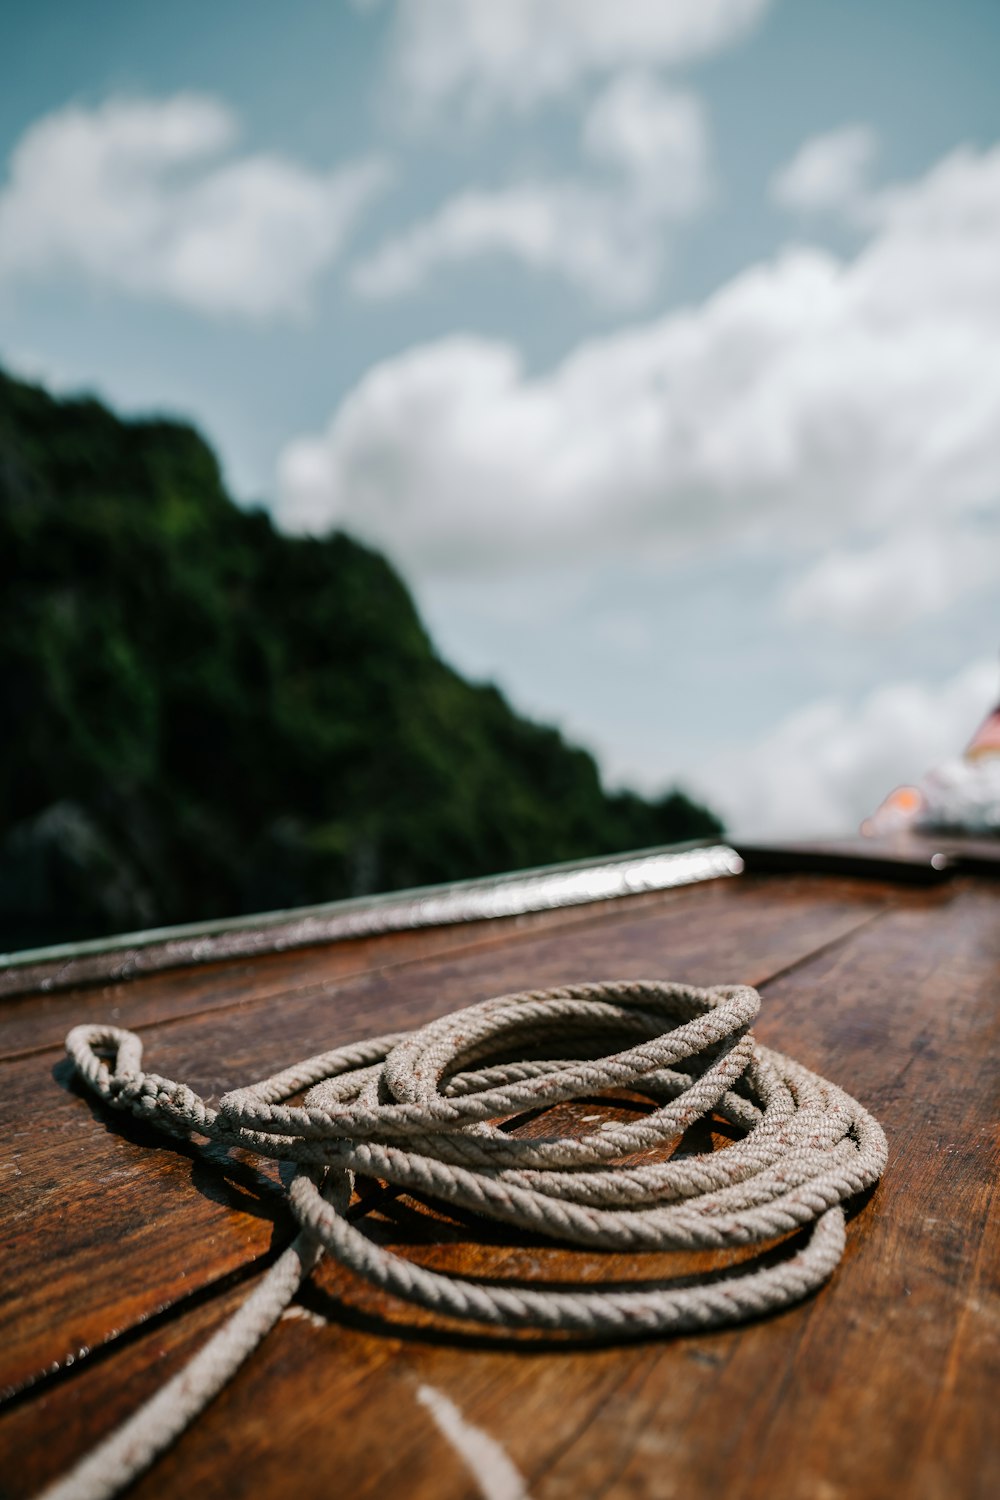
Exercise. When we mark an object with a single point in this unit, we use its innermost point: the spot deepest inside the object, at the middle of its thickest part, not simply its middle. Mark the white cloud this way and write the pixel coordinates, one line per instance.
(811, 401)
(830, 764)
(148, 197)
(606, 233)
(829, 173)
(655, 136)
(562, 227)
(906, 577)
(519, 53)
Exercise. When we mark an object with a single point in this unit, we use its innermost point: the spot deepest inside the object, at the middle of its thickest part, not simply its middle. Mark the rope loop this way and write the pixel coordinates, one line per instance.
(434, 1113)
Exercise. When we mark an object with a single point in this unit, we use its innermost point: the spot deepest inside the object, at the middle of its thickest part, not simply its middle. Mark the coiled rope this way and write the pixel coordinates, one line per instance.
(425, 1112)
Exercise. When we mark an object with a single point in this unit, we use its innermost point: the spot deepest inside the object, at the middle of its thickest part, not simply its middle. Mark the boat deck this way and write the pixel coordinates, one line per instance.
(123, 1251)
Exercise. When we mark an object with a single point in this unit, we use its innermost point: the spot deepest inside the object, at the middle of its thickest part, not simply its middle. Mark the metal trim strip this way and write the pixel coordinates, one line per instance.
(111, 960)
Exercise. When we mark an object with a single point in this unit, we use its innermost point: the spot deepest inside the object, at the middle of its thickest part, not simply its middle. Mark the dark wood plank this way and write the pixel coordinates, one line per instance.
(922, 862)
(980, 856)
(921, 856)
(99, 1190)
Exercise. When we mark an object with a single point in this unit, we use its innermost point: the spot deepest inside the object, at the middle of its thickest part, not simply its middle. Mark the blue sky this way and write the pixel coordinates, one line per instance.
(656, 344)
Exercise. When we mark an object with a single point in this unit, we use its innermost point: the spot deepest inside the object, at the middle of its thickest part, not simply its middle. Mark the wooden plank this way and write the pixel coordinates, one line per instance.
(963, 1424)
(919, 861)
(100, 1394)
(33, 1022)
(90, 1190)
(979, 856)
(880, 1385)
(906, 855)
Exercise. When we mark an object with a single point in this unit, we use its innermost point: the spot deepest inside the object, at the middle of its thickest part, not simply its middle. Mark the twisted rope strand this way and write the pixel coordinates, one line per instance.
(425, 1111)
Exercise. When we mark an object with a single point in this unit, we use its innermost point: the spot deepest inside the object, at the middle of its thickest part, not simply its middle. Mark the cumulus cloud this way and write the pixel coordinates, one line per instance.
(655, 136)
(561, 227)
(150, 197)
(521, 53)
(811, 399)
(605, 233)
(908, 576)
(827, 766)
(829, 173)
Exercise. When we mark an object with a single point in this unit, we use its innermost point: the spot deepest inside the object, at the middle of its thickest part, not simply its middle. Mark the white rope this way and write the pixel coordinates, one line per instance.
(425, 1111)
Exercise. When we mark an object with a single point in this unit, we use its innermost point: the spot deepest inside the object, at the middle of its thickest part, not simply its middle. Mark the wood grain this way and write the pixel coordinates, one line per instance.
(881, 1385)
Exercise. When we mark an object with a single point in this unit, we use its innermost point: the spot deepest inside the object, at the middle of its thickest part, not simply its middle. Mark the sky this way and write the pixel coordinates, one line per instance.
(657, 342)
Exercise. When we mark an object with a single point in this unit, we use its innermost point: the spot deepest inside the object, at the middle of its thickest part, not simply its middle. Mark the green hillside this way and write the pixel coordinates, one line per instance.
(204, 717)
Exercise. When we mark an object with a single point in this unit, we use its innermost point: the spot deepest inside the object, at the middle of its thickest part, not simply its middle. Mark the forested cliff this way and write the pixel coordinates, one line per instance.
(202, 716)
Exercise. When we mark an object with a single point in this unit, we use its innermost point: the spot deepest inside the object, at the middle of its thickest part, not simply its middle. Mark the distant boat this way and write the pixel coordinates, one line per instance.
(985, 743)
(962, 794)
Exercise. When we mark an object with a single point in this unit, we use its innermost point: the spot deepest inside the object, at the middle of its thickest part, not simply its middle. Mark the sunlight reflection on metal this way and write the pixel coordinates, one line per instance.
(653, 872)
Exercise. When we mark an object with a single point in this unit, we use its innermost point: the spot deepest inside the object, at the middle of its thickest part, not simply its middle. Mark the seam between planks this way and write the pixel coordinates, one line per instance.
(828, 946)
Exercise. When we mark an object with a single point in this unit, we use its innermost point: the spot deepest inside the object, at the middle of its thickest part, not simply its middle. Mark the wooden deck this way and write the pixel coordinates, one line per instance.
(121, 1252)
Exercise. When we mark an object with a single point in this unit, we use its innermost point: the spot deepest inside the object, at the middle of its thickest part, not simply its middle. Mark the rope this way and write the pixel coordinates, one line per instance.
(425, 1111)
